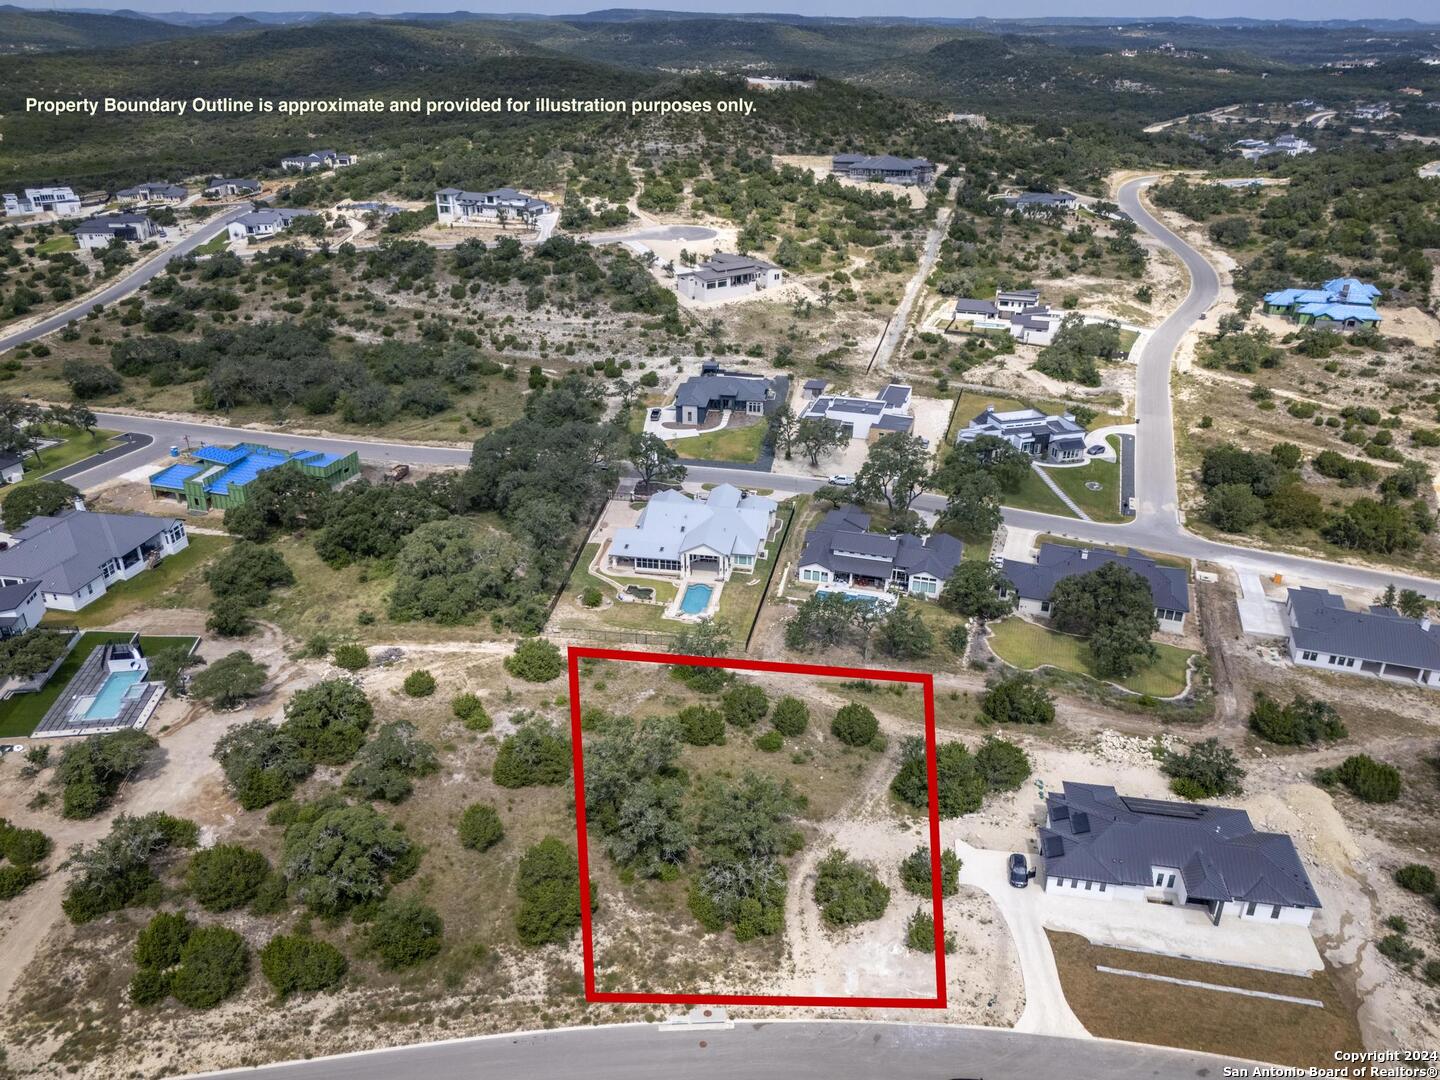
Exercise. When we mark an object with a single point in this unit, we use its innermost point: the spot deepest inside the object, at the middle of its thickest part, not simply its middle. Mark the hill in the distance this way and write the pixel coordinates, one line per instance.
(24, 31)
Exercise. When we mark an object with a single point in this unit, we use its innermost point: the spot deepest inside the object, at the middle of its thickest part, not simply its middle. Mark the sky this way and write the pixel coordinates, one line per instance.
(1422, 10)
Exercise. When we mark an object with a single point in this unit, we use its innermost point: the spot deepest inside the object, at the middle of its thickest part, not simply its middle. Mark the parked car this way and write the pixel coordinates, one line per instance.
(654, 414)
(1095, 450)
(1019, 871)
(841, 480)
(1203, 315)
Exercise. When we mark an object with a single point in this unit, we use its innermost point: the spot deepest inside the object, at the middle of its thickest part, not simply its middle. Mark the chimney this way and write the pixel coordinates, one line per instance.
(1084, 554)
(1425, 623)
(79, 502)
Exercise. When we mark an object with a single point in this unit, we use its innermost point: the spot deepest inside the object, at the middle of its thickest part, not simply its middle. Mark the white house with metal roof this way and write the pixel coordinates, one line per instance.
(1035, 582)
(1381, 642)
(319, 159)
(884, 167)
(717, 390)
(1100, 845)
(78, 554)
(231, 186)
(260, 224)
(456, 207)
(865, 418)
(678, 534)
(152, 193)
(21, 606)
(60, 201)
(104, 229)
(724, 277)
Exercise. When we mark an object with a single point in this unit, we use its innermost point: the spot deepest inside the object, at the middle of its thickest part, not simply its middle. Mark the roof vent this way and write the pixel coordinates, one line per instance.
(1084, 553)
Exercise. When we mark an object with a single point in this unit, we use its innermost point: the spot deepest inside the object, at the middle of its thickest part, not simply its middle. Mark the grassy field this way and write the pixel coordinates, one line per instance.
(1102, 505)
(1035, 495)
(730, 443)
(630, 616)
(177, 582)
(1247, 1028)
(77, 447)
(214, 245)
(1026, 645)
(20, 714)
(57, 244)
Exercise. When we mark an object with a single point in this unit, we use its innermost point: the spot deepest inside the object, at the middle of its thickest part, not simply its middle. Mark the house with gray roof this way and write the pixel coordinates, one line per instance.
(152, 193)
(259, 224)
(319, 159)
(1017, 312)
(715, 390)
(76, 555)
(1043, 202)
(456, 207)
(884, 167)
(867, 418)
(1035, 582)
(12, 468)
(102, 230)
(1046, 437)
(231, 187)
(1381, 642)
(724, 276)
(60, 201)
(841, 553)
(678, 535)
(1101, 845)
(21, 606)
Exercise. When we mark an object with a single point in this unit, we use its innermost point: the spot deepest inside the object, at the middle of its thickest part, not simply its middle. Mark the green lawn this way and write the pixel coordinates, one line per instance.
(1027, 645)
(1127, 341)
(181, 572)
(20, 714)
(730, 443)
(77, 447)
(1034, 495)
(214, 245)
(57, 244)
(1102, 505)
(629, 616)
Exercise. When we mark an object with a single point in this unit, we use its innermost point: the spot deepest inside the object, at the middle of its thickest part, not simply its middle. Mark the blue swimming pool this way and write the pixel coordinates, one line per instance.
(106, 705)
(696, 599)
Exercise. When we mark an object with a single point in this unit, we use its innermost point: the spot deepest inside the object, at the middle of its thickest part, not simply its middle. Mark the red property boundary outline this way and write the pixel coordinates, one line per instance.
(926, 682)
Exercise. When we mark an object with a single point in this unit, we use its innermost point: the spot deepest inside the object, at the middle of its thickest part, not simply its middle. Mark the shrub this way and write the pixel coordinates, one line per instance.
(226, 876)
(351, 657)
(16, 879)
(149, 986)
(262, 763)
(470, 711)
(1003, 765)
(1432, 972)
(1416, 878)
(163, 940)
(548, 886)
(328, 721)
(790, 717)
(535, 754)
(535, 660)
(701, 725)
(385, 765)
(1017, 700)
(1303, 721)
(214, 964)
(295, 964)
(23, 847)
(117, 870)
(337, 856)
(480, 827)
(915, 872)
(745, 705)
(1365, 778)
(1397, 949)
(591, 596)
(404, 933)
(769, 742)
(230, 680)
(961, 787)
(848, 892)
(920, 933)
(855, 725)
(419, 683)
(1204, 770)
(229, 617)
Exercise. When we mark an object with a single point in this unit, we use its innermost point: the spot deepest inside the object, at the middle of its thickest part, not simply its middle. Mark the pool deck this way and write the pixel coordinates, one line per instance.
(88, 680)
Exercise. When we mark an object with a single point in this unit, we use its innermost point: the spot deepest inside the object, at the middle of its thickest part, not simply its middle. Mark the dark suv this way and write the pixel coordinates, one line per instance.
(1019, 871)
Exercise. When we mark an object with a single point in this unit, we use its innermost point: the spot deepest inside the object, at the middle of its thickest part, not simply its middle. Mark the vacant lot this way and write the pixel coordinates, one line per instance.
(1027, 645)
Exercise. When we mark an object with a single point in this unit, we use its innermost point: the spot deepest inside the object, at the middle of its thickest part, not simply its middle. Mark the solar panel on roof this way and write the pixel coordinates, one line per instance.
(1052, 847)
(1079, 822)
(1163, 808)
(1060, 811)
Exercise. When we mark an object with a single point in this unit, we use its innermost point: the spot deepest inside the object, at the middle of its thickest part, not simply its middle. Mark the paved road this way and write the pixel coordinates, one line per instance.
(127, 284)
(125, 445)
(653, 232)
(774, 1050)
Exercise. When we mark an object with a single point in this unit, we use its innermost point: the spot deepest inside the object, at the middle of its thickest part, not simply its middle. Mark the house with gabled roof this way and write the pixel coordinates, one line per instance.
(319, 159)
(104, 229)
(841, 552)
(1042, 202)
(1100, 845)
(724, 276)
(221, 187)
(1017, 312)
(60, 201)
(885, 168)
(152, 193)
(456, 207)
(715, 390)
(1034, 583)
(1344, 303)
(259, 224)
(679, 534)
(1380, 642)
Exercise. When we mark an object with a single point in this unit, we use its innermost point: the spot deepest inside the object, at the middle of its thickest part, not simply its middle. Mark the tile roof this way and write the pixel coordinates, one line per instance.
(1098, 835)
(1319, 621)
(1169, 586)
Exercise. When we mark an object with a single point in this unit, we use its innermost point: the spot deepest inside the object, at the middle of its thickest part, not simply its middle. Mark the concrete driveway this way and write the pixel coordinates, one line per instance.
(1046, 1010)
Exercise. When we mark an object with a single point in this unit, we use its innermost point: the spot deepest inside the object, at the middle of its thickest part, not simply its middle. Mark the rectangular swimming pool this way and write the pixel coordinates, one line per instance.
(106, 705)
(696, 599)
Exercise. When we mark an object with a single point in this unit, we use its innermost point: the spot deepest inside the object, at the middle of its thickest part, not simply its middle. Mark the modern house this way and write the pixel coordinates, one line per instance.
(777, 82)
(153, 193)
(841, 551)
(1035, 582)
(884, 167)
(217, 476)
(259, 224)
(456, 207)
(1102, 845)
(678, 534)
(104, 229)
(12, 468)
(865, 418)
(21, 606)
(1381, 642)
(60, 201)
(724, 277)
(77, 554)
(1288, 145)
(320, 159)
(714, 390)
(1338, 304)
(1017, 312)
(1043, 202)
(1054, 439)
(1380, 110)
(221, 188)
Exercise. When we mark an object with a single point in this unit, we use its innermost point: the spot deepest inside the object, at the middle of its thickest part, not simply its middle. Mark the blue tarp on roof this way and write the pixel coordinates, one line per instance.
(173, 478)
(222, 455)
(253, 461)
(1341, 312)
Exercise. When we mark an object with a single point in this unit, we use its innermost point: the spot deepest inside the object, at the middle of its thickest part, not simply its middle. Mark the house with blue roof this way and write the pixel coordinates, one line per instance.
(216, 477)
(1338, 304)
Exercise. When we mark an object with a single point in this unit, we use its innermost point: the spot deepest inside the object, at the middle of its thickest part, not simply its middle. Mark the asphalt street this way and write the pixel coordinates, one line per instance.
(775, 1050)
(126, 285)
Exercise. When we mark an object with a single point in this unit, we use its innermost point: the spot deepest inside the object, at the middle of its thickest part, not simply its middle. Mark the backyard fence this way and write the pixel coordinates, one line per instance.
(653, 639)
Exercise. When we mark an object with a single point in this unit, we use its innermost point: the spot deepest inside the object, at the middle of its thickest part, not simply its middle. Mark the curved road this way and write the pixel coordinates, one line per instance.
(760, 1050)
(126, 285)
